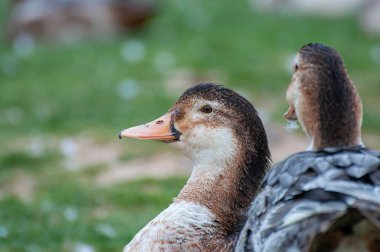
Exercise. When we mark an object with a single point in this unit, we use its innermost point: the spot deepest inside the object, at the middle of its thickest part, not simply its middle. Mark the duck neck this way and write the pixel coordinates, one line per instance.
(226, 185)
(330, 112)
(340, 123)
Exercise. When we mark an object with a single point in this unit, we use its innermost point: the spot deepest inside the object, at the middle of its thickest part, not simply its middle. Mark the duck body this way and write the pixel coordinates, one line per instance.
(318, 201)
(327, 198)
(222, 135)
(183, 226)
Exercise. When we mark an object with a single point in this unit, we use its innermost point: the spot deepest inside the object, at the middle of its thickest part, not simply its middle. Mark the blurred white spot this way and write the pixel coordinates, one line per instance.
(375, 54)
(106, 230)
(291, 126)
(3, 232)
(128, 89)
(370, 18)
(70, 213)
(37, 148)
(83, 247)
(14, 115)
(32, 10)
(23, 45)
(163, 61)
(68, 148)
(133, 51)
(263, 4)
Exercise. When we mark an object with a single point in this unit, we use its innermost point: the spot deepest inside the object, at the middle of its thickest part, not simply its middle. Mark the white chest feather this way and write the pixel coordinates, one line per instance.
(180, 227)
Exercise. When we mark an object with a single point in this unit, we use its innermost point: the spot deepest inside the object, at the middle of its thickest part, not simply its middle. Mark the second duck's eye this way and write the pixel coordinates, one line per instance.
(206, 109)
(295, 67)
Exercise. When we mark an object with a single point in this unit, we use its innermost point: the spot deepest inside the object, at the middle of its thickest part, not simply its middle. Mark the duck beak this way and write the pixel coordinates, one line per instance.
(161, 129)
(291, 114)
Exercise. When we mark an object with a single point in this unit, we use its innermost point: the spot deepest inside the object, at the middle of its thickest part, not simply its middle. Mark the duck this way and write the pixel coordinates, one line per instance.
(323, 98)
(223, 136)
(326, 198)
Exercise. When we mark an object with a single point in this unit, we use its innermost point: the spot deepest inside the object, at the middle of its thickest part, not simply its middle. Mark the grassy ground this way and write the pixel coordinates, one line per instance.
(90, 89)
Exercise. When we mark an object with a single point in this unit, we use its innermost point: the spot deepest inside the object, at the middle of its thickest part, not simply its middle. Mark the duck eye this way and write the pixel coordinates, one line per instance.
(206, 109)
(295, 67)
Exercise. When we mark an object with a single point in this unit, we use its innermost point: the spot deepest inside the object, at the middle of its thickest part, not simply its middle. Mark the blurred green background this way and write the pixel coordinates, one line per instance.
(57, 99)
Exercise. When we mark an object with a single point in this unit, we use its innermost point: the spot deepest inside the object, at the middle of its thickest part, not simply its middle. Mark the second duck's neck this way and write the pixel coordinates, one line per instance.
(341, 128)
(330, 113)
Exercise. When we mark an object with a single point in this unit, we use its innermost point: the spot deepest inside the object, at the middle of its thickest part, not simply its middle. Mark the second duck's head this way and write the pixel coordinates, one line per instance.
(323, 99)
(213, 125)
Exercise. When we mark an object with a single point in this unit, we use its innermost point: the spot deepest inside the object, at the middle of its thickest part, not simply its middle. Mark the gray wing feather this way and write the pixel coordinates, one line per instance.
(307, 209)
(363, 165)
(357, 190)
(304, 194)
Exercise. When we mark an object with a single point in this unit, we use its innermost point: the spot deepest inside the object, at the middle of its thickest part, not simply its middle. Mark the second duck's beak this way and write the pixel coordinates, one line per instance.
(291, 114)
(161, 129)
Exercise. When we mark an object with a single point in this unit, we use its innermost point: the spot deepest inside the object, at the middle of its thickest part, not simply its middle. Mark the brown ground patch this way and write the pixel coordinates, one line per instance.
(160, 165)
(86, 152)
(22, 186)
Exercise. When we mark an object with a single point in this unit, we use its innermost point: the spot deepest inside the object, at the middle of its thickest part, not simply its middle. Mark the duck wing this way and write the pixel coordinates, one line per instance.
(312, 201)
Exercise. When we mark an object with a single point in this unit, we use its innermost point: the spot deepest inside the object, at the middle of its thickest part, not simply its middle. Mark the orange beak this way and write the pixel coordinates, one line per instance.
(291, 114)
(161, 129)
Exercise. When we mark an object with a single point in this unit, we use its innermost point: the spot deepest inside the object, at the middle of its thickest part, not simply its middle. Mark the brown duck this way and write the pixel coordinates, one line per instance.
(224, 138)
(327, 199)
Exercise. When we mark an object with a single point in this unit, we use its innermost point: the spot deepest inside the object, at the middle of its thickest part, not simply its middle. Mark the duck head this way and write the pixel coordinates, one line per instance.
(323, 99)
(223, 136)
(210, 123)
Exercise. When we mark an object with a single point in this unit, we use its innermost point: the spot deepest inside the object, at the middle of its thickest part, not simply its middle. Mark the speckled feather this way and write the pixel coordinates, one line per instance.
(306, 193)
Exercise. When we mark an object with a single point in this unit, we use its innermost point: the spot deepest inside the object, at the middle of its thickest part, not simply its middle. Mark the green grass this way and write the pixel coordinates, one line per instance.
(74, 90)
(64, 214)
